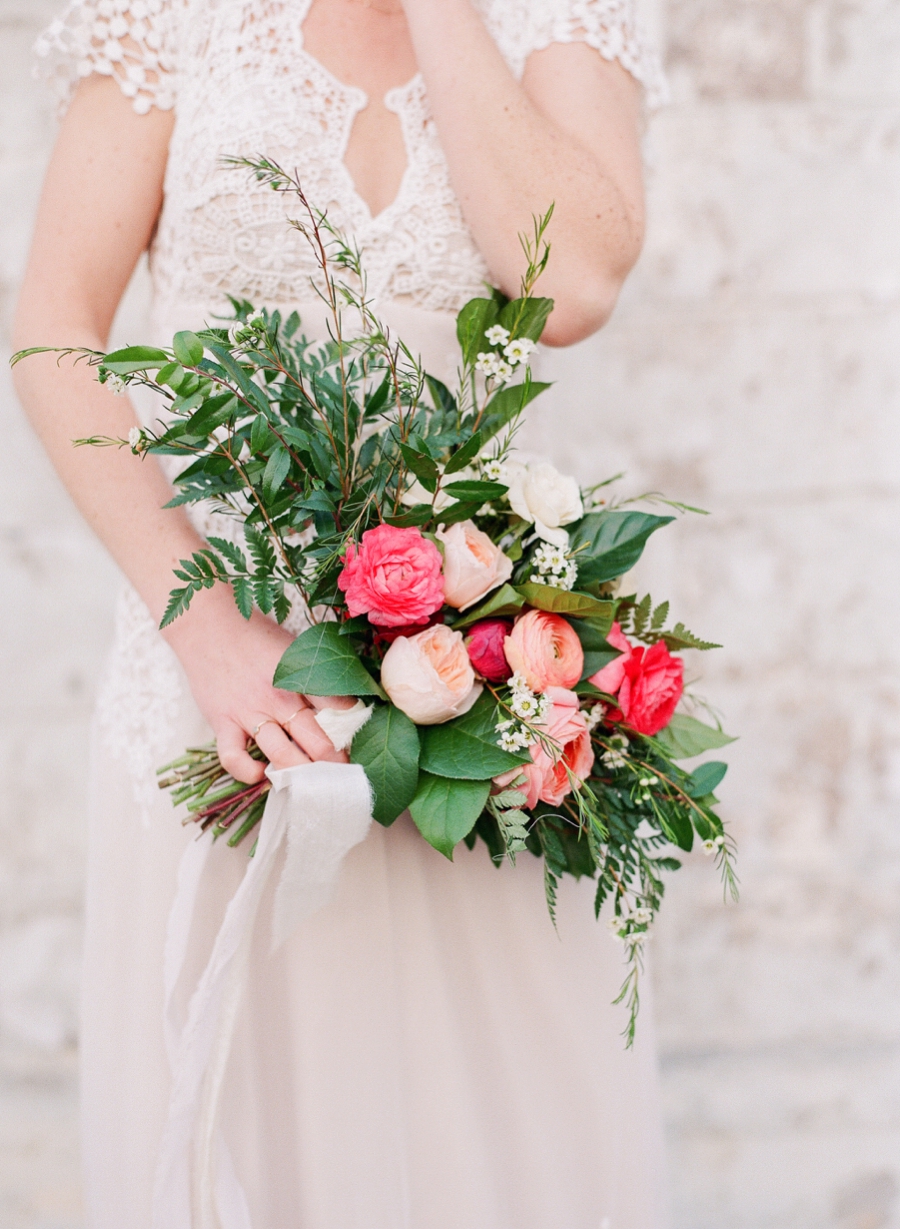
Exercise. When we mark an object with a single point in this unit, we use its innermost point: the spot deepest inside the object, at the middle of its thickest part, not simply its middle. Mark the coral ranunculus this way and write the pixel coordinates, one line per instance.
(485, 644)
(429, 676)
(652, 687)
(473, 565)
(545, 650)
(547, 777)
(393, 576)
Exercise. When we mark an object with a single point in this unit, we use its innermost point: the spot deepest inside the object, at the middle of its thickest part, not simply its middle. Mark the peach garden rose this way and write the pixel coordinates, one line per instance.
(429, 676)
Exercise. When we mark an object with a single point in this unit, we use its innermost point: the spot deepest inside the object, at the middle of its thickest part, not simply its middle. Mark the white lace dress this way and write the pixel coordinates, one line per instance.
(426, 1052)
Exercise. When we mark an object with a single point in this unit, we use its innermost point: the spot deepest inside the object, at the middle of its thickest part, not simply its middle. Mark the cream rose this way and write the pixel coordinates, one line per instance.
(429, 676)
(473, 565)
(538, 492)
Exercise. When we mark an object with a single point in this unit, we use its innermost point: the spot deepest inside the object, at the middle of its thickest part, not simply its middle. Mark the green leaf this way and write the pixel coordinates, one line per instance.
(685, 737)
(462, 510)
(598, 652)
(213, 413)
(506, 404)
(677, 826)
(470, 491)
(505, 601)
(387, 747)
(441, 396)
(526, 317)
(464, 455)
(277, 469)
(261, 436)
(466, 748)
(703, 780)
(135, 358)
(418, 514)
(322, 662)
(422, 466)
(188, 348)
(172, 375)
(476, 316)
(569, 602)
(445, 811)
(609, 543)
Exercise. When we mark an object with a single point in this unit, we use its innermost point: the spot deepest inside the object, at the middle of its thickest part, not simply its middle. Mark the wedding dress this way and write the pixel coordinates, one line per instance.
(426, 1052)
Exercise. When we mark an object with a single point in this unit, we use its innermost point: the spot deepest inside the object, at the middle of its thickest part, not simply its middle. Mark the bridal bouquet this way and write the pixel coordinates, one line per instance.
(506, 690)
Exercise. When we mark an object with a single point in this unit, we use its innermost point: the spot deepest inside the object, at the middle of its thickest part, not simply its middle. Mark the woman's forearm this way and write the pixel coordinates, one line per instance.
(510, 157)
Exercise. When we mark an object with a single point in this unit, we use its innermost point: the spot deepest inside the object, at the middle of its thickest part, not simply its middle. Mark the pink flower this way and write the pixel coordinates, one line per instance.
(609, 679)
(473, 565)
(652, 687)
(547, 777)
(485, 645)
(394, 577)
(649, 683)
(429, 676)
(545, 650)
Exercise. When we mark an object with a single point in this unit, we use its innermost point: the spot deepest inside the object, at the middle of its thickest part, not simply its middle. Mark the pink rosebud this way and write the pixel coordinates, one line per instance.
(473, 565)
(610, 678)
(652, 687)
(394, 577)
(485, 644)
(429, 676)
(549, 777)
(545, 650)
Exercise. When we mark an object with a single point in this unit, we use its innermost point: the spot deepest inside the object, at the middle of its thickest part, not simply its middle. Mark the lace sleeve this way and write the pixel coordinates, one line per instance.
(125, 39)
(610, 26)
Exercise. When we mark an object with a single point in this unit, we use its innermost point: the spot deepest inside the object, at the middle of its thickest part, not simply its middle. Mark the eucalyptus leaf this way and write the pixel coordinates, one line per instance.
(322, 662)
(464, 455)
(506, 404)
(387, 747)
(135, 358)
(422, 466)
(188, 348)
(470, 491)
(684, 737)
(476, 316)
(445, 811)
(277, 469)
(703, 780)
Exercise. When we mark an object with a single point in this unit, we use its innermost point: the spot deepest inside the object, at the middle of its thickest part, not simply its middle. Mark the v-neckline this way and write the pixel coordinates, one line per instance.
(362, 99)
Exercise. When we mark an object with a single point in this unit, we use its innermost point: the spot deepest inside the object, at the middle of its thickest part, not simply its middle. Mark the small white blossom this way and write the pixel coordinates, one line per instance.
(492, 469)
(518, 351)
(554, 567)
(136, 439)
(497, 335)
(617, 926)
(709, 847)
(642, 916)
(503, 371)
(720, 840)
(595, 715)
(614, 759)
(526, 706)
(115, 384)
(487, 363)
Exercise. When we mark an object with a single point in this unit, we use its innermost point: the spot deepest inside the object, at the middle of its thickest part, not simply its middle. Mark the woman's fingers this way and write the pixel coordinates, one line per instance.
(231, 743)
(308, 734)
(279, 750)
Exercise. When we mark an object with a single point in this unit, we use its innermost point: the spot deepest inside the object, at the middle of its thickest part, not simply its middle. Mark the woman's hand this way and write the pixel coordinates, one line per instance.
(230, 663)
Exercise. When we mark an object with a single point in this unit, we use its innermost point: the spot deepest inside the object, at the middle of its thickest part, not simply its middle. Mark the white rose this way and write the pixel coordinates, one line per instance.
(429, 676)
(473, 565)
(540, 493)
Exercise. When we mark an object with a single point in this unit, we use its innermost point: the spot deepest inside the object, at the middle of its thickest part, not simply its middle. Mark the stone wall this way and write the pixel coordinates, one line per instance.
(752, 368)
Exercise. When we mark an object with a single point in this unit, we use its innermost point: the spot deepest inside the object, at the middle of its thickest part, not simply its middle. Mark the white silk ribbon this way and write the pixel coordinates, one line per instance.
(321, 811)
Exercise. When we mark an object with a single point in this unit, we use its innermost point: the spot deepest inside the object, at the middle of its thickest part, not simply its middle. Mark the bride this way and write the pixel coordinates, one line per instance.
(426, 1052)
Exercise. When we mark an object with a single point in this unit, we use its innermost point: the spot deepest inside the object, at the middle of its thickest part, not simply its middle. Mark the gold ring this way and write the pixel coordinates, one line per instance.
(265, 721)
(301, 709)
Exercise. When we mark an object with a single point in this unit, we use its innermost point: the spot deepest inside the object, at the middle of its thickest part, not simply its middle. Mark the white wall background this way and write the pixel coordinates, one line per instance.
(753, 367)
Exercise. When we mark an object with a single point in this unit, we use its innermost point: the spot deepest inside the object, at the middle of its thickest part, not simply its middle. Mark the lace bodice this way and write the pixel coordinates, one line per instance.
(241, 82)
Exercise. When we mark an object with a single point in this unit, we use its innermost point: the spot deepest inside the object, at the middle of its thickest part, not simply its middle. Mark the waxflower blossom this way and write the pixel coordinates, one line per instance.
(137, 441)
(486, 363)
(497, 335)
(518, 351)
(492, 469)
(553, 566)
(115, 384)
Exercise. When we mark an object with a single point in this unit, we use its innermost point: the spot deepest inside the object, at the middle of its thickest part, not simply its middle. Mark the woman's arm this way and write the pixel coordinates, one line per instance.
(569, 133)
(99, 207)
